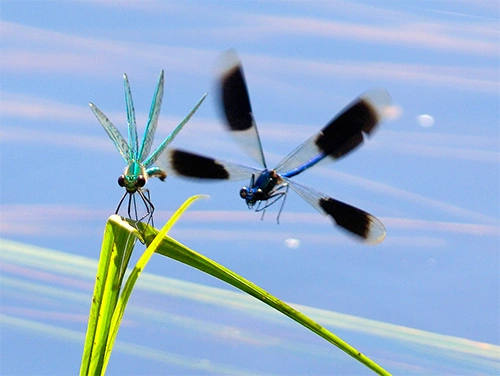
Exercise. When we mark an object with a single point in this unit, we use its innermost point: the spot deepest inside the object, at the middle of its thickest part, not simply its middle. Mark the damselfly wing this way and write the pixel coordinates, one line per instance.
(140, 166)
(340, 136)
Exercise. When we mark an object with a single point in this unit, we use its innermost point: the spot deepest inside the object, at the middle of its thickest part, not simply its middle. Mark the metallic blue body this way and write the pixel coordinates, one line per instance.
(304, 166)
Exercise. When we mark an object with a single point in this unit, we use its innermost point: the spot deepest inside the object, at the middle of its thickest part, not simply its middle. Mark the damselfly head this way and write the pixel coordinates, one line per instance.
(133, 178)
(252, 195)
(248, 195)
(244, 192)
(131, 183)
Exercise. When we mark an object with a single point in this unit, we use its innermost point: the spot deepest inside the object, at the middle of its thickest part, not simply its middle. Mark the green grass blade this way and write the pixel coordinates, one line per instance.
(171, 248)
(118, 242)
(108, 306)
(129, 285)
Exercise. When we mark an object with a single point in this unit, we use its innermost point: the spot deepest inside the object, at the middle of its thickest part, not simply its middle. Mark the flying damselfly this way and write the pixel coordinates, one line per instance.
(340, 136)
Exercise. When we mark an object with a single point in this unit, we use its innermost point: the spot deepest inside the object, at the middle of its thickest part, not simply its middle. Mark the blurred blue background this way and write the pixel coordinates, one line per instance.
(431, 174)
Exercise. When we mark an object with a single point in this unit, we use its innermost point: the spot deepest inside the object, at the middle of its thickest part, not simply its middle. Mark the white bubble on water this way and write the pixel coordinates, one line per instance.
(425, 120)
(292, 243)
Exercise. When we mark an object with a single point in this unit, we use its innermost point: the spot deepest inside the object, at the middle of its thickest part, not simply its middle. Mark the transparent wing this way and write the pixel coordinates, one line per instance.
(113, 133)
(341, 135)
(154, 113)
(154, 156)
(357, 222)
(132, 126)
(236, 108)
(183, 163)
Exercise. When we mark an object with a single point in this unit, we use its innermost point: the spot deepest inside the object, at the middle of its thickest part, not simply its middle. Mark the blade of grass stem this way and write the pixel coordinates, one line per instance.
(129, 285)
(118, 242)
(173, 249)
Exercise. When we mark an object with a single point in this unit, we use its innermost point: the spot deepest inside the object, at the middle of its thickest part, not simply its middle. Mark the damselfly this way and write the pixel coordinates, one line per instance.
(339, 137)
(140, 166)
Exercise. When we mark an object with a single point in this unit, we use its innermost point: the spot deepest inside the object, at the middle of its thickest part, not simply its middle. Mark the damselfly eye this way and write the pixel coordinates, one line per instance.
(243, 192)
(141, 181)
(121, 181)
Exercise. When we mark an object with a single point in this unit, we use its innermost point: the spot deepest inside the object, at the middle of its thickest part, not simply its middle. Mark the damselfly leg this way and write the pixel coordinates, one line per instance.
(132, 210)
(279, 193)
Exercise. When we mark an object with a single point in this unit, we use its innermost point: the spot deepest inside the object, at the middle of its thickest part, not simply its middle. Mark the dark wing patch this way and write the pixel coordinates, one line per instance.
(345, 131)
(197, 166)
(235, 99)
(354, 220)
